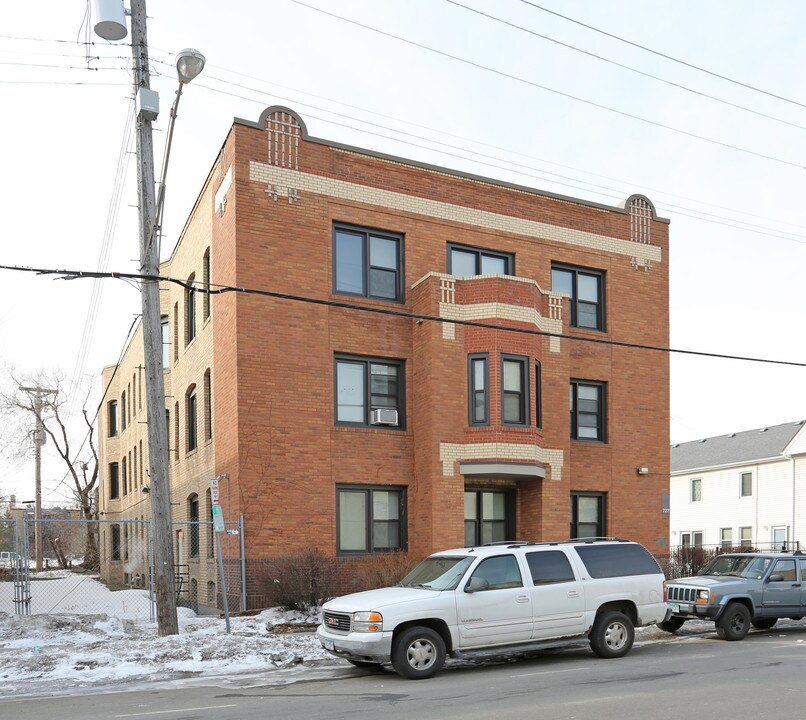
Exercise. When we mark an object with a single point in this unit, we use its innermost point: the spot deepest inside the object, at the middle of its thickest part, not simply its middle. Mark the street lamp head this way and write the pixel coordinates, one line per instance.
(189, 64)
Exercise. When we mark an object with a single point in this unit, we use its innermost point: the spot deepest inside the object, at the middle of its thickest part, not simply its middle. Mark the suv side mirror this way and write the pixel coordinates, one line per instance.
(475, 584)
(776, 577)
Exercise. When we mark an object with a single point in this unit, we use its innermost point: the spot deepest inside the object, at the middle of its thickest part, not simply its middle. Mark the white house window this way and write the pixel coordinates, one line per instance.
(747, 484)
(696, 490)
(746, 536)
(726, 537)
(691, 539)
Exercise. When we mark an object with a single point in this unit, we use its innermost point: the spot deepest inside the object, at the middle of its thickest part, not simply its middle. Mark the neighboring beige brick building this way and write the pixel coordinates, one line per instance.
(396, 388)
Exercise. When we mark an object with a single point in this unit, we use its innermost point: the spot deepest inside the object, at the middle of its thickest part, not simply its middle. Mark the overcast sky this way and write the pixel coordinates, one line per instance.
(509, 104)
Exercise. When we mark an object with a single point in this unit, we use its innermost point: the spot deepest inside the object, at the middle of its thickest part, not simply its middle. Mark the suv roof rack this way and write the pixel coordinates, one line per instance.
(524, 543)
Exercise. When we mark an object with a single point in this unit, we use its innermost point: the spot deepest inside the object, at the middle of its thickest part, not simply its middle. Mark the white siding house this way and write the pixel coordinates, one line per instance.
(745, 488)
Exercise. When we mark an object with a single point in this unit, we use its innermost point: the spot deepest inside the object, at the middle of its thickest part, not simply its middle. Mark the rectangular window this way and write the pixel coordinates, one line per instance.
(114, 481)
(166, 342)
(726, 537)
(489, 517)
(116, 542)
(468, 261)
(746, 536)
(123, 410)
(603, 561)
(190, 419)
(514, 390)
(208, 407)
(478, 383)
(586, 290)
(206, 282)
(538, 395)
(587, 515)
(112, 417)
(587, 410)
(691, 539)
(364, 385)
(696, 490)
(747, 484)
(193, 517)
(124, 476)
(190, 312)
(367, 263)
(370, 519)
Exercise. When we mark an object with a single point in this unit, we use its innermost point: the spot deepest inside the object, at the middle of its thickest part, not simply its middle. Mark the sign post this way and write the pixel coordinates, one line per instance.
(218, 528)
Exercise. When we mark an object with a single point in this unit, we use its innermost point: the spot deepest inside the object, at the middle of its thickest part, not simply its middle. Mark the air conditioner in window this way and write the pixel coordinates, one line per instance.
(384, 416)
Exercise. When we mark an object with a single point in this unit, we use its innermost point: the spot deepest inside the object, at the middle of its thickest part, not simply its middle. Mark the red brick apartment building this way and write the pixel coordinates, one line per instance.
(457, 367)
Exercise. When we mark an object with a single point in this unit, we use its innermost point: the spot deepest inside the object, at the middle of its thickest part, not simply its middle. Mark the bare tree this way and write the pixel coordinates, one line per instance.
(81, 463)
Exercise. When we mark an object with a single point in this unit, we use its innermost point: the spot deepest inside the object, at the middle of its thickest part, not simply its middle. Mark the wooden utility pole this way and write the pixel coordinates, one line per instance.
(160, 493)
(39, 441)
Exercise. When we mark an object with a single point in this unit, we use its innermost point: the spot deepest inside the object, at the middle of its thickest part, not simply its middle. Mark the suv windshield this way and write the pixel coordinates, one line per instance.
(437, 573)
(738, 566)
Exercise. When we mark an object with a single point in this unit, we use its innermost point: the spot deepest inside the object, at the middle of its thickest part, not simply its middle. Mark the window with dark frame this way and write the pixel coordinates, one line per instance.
(191, 418)
(489, 516)
(538, 395)
(114, 481)
(206, 283)
(586, 290)
(123, 410)
(587, 411)
(124, 476)
(116, 542)
(514, 390)
(367, 263)
(370, 519)
(366, 384)
(478, 382)
(464, 261)
(112, 417)
(588, 515)
(193, 518)
(208, 406)
(190, 310)
(166, 342)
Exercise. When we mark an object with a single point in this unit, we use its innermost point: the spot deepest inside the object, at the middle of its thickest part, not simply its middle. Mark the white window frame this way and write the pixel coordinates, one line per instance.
(741, 484)
(697, 480)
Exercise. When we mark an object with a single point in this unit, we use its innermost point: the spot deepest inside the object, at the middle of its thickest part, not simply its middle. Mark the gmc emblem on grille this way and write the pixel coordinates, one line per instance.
(332, 621)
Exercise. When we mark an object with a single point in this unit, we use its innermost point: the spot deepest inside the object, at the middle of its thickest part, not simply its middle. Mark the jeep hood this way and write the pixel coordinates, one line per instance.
(376, 599)
(711, 581)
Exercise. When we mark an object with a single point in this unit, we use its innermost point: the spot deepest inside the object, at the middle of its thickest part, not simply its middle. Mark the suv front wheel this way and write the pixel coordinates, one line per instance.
(418, 653)
(612, 635)
(734, 622)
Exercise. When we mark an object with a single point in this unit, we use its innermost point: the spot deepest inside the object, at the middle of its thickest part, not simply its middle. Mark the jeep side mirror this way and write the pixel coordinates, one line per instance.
(776, 577)
(475, 584)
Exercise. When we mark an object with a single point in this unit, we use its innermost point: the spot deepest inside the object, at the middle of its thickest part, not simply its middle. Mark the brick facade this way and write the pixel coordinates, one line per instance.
(266, 217)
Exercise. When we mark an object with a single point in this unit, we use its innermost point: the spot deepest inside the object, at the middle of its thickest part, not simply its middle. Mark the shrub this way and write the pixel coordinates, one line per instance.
(302, 581)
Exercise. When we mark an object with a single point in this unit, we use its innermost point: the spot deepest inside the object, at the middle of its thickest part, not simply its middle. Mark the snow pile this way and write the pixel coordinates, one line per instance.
(86, 644)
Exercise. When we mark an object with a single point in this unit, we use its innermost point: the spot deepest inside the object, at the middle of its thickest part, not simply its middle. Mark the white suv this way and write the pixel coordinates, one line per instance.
(512, 595)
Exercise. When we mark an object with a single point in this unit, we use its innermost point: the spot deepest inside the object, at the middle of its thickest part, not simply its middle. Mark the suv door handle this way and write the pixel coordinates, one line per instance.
(522, 598)
(573, 593)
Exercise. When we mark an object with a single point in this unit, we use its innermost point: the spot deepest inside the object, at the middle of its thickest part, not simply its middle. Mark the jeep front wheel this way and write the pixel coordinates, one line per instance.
(612, 635)
(734, 622)
(418, 653)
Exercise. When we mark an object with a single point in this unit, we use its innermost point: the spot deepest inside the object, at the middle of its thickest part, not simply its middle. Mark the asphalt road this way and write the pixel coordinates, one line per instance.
(691, 676)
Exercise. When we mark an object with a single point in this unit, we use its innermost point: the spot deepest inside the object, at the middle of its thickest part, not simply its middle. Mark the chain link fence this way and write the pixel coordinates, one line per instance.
(98, 567)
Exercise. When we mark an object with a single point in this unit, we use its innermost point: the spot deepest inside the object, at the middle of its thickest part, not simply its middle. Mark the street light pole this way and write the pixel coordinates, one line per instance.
(165, 593)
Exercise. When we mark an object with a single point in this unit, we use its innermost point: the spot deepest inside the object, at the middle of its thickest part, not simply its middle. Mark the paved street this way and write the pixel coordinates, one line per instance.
(695, 675)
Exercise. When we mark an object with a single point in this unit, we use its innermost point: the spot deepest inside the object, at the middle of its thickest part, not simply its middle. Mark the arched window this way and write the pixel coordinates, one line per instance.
(193, 518)
(208, 406)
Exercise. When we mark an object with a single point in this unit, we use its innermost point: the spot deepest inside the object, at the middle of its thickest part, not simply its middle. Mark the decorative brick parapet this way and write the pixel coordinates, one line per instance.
(452, 453)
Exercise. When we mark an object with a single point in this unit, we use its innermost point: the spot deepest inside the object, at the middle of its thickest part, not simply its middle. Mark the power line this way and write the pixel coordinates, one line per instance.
(531, 83)
(220, 289)
(679, 86)
(663, 55)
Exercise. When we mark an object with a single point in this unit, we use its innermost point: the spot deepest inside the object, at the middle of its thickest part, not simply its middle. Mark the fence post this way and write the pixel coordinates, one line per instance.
(243, 563)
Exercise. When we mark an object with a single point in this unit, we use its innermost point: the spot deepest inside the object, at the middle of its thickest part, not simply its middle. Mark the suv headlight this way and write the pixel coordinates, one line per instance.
(368, 622)
(702, 596)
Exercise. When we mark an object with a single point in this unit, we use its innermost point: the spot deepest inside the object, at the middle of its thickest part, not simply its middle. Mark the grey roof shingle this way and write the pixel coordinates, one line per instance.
(740, 447)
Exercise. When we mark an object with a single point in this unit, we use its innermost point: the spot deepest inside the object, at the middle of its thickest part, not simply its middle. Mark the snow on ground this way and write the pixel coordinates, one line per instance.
(82, 635)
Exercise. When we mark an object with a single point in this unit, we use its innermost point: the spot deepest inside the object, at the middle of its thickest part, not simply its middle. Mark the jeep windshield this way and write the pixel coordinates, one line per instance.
(738, 566)
(437, 573)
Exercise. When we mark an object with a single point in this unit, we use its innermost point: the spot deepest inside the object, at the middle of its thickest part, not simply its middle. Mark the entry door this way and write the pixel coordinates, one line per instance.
(783, 596)
(500, 614)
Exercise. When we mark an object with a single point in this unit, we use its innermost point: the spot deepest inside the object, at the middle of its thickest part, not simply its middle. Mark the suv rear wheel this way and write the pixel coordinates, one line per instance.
(612, 635)
(734, 622)
(418, 653)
